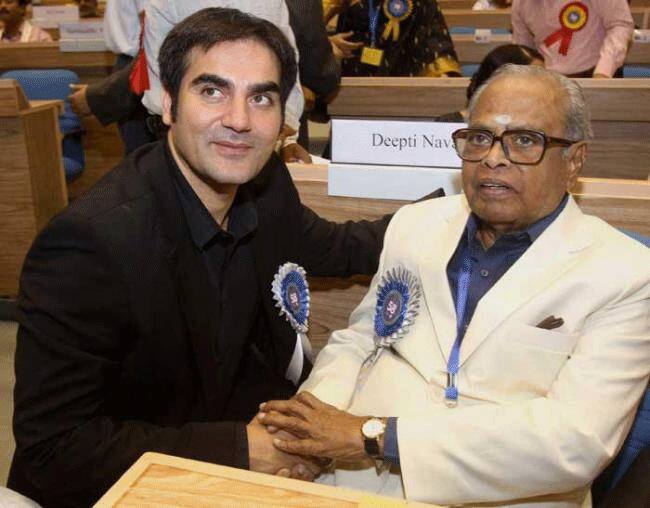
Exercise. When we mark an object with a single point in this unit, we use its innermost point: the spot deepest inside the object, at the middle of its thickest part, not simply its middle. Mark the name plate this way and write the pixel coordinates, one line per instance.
(641, 36)
(394, 142)
(82, 36)
(82, 30)
(390, 182)
(49, 16)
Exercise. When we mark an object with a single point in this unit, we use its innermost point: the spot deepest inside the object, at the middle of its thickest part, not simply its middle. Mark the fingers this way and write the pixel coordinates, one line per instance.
(294, 425)
(287, 407)
(298, 447)
(310, 400)
(285, 472)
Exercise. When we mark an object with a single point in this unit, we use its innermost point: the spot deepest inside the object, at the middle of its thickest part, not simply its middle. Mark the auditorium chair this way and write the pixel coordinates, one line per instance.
(55, 84)
(636, 71)
(637, 440)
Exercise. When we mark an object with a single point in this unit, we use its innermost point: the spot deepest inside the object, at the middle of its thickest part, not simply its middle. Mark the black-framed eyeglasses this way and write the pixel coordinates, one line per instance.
(520, 146)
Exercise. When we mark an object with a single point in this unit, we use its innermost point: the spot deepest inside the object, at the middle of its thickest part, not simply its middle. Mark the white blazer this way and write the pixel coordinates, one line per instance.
(541, 412)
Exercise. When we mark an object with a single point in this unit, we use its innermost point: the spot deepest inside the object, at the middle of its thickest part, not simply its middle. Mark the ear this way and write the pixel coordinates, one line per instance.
(575, 160)
(167, 108)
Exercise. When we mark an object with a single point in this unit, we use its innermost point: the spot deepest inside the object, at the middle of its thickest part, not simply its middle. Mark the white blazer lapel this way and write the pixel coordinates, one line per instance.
(434, 257)
(547, 259)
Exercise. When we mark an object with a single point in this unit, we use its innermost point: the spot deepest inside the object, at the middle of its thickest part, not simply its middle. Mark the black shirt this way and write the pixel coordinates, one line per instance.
(228, 259)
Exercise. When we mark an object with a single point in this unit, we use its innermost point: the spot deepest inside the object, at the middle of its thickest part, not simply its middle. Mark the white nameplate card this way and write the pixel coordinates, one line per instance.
(642, 36)
(49, 16)
(394, 142)
(390, 182)
(482, 35)
(82, 36)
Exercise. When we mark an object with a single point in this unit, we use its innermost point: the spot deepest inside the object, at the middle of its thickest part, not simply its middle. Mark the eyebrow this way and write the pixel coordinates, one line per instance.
(218, 81)
(510, 127)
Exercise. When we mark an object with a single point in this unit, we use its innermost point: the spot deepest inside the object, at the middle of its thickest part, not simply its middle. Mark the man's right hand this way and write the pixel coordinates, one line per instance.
(78, 100)
(263, 457)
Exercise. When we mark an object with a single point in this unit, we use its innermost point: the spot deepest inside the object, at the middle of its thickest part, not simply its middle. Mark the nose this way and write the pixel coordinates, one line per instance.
(496, 156)
(237, 115)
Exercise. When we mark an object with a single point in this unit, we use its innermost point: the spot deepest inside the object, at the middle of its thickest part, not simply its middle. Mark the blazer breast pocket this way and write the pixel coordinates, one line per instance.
(541, 338)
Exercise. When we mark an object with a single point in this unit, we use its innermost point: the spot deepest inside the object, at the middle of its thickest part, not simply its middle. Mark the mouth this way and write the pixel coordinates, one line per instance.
(494, 188)
(232, 148)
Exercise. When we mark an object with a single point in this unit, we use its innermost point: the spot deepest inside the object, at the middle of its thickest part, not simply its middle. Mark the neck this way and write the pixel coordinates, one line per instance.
(216, 197)
(488, 234)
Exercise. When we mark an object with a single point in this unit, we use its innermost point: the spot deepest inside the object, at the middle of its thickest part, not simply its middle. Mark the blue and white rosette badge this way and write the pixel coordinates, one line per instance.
(291, 295)
(398, 304)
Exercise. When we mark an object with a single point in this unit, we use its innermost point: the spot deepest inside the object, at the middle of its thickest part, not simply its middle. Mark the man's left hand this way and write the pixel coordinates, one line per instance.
(321, 430)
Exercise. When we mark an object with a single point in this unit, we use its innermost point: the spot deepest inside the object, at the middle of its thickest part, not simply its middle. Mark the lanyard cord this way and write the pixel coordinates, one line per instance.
(453, 364)
(373, 21)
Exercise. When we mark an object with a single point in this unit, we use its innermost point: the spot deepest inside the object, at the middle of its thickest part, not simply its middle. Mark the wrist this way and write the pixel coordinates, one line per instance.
(373, 430)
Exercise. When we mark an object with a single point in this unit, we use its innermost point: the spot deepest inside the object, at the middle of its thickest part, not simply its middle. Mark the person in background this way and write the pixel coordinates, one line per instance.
(499, 56)
(490, 5)
(392, 38)
(582, 39)
(320, 72)
(87, 9)
(15, 28)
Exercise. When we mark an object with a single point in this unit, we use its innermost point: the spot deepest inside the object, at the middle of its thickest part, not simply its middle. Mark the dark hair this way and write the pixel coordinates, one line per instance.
(213, 25)
(506, 54)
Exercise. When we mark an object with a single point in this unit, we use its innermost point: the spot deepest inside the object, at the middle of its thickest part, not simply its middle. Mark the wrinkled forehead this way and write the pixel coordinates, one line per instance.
(515, 102)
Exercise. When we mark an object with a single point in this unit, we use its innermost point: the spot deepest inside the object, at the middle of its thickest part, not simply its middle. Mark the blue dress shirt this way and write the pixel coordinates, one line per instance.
(488, 266)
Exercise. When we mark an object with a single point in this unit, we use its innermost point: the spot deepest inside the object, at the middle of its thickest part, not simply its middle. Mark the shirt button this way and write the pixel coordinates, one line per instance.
(484, 273)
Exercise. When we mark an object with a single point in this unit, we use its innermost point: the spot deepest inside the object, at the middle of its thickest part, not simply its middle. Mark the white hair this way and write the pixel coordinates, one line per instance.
(577, 117)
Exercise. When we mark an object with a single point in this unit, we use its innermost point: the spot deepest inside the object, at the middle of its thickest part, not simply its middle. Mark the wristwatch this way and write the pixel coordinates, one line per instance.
(372, 430)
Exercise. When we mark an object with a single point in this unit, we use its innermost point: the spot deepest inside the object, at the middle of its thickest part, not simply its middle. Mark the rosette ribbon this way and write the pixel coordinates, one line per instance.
(396, 11)
(291, 294)
(398, 304)
(573, 18)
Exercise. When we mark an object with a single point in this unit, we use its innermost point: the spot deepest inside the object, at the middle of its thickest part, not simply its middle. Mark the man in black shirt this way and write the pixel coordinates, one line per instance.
(146, 316)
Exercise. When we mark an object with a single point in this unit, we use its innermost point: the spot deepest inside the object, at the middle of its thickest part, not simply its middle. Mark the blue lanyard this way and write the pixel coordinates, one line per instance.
(453, 364)
(373, 21)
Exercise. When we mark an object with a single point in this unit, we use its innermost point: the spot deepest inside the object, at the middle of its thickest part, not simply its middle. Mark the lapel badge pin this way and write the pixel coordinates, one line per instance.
(398, 304)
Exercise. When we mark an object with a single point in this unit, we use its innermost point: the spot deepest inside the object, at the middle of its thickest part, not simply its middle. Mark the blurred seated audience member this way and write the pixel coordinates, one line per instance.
(392, 38)
(87, 9)
(582, 39)
(490, 5)
(13, 25)
(506, 54)
(320, 72)
(111, 100)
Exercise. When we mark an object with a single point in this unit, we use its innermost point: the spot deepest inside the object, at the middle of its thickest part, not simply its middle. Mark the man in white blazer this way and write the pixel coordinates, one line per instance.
(527, 396)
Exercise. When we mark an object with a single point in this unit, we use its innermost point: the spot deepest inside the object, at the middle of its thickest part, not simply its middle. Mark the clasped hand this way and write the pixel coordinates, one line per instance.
(319, 429)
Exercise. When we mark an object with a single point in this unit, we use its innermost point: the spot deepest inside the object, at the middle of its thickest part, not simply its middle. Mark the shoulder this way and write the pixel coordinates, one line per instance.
(122, 205)
(424, 213)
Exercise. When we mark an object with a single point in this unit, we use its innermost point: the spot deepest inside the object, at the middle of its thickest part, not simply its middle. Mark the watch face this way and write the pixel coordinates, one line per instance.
(373, 428)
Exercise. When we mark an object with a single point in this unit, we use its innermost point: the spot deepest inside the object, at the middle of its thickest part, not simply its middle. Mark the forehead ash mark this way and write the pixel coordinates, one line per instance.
(503, 119)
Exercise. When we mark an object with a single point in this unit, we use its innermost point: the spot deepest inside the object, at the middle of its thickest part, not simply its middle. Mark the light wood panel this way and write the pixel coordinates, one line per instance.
(470, 52)
(500, 18)
(622, 203)
(162, 480)
(91, 66)
(620, 109)
(32, 182)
